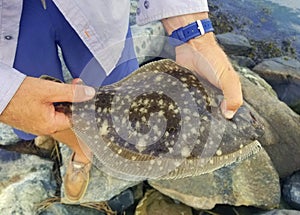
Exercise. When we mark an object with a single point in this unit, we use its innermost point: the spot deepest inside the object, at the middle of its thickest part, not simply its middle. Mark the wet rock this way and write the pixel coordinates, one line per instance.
(253, 181)
(283, 74)
(281, 124)
(263, 21)
(291, 190)
(234, 44)
(155, 203)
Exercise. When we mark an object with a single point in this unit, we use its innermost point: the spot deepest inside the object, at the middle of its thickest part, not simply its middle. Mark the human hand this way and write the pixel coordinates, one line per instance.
(31, 109)
(204, 56)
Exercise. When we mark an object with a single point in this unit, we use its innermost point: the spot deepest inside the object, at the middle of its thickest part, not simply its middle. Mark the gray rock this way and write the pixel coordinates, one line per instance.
(234, 44)
(243, 61)
(6, 156)
(250, 182)
(24, 183)
(7, 135)
(283, 74)
(121, 202)
(291, 190)
(148, 40)
(63, 209)
(282, 133)
(133, 8)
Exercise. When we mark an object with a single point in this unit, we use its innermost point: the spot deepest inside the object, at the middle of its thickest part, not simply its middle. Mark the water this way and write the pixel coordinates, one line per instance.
(293, 4)
(266, 20)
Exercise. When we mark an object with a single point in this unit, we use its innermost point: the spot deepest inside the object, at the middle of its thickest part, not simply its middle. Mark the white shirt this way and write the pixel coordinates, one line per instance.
(102, 26)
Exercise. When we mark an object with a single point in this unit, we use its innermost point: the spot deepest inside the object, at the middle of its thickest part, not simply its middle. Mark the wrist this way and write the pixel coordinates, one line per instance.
(204, 40)
(194, 30)
(172, 23)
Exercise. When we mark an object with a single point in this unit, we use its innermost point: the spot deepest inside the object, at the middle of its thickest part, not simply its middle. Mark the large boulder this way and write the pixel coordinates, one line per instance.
(234, 44)
(282, 133)
(250, 182)
(283, 74)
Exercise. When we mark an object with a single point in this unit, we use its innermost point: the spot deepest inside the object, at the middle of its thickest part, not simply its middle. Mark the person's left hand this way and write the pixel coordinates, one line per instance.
(204, 56)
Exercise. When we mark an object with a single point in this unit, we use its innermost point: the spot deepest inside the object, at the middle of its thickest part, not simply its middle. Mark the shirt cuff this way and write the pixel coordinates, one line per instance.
(152, 10)
(10, 81)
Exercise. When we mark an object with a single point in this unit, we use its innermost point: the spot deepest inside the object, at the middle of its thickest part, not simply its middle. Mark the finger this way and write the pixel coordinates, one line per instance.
(230, 84)
(71, 93)
(77, 81)
(62, 122)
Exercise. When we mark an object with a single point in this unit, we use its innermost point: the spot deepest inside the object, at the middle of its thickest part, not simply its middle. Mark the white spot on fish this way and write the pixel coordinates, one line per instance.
(219, 152)
(185, 152)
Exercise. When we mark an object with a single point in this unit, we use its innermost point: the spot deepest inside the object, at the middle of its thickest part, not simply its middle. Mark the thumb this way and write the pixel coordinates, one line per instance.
(232, 90)
(71, 93)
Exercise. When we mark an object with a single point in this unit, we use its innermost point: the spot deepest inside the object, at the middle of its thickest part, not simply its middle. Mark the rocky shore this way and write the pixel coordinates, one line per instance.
(266, 183)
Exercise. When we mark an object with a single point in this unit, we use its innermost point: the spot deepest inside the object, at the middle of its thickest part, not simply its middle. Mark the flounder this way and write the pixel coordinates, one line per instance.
(163, 121)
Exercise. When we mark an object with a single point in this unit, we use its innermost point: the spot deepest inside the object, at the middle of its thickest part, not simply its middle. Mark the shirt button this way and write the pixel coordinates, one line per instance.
(8, 37)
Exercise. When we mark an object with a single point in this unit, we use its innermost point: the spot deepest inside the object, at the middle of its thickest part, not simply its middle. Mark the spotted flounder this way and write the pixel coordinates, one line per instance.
(163, 121)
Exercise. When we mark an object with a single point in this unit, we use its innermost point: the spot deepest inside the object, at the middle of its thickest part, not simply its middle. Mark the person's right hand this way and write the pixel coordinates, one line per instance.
(31, 109)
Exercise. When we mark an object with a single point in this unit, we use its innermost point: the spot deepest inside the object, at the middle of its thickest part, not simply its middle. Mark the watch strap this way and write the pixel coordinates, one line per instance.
(195, 29)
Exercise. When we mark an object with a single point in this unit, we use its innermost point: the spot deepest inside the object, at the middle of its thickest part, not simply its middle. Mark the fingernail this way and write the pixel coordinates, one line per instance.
(89, 91)
(228, 114)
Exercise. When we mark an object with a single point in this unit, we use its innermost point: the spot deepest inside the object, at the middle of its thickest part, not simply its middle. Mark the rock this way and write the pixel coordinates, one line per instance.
(133, 8)
(121, 202)
(234, 44)
(7, 135)
(102, 187)
(283, 74)
(280, 212)
(253, 181)
(155, 203)
(243, 61)
(263, 21)
(62, 209)
(291, 190)
(148, 40)
(282, 133)
(24, 184)
(6, 156)
(117, 204)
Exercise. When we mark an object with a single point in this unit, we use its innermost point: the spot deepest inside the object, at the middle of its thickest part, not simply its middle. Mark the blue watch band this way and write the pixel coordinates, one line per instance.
(195, 29)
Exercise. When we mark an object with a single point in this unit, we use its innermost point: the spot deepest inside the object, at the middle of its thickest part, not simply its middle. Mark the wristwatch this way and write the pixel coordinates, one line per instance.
(195, 29)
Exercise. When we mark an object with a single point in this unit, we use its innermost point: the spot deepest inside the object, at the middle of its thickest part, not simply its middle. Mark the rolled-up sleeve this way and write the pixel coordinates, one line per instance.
(151, 10)
(10, 81)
